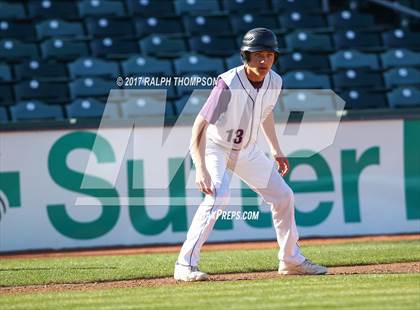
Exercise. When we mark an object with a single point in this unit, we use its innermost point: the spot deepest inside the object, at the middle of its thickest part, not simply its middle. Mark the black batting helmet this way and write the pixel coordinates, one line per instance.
(259, 39)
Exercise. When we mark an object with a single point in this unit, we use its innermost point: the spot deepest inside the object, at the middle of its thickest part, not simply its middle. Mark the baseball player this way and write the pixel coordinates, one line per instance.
(223, 142)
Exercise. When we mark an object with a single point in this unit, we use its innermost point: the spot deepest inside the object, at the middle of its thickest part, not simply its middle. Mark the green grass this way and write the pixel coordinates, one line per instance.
(382, 291)
(108, 268)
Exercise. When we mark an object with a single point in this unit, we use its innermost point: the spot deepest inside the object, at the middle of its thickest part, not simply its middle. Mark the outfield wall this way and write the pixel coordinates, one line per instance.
(366, 182)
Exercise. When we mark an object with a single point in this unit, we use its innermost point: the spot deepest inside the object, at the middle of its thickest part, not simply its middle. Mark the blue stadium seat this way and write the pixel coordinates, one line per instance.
(363, 99)
(56, 51)
(353, 78)
(306, 41)
(404, 97)
(93, 67)
(296, 20)
(305, 79)
(193, 63)
(14, 10)
(63, 49)
(242, 23)
(247, 6)
(213, 45)
(6, 94)
(100, 8)
(402, 76)
(356, 39)
(145, 66)
(312, 6)
(400, 58)
(3, 115)
(17, 50)
(163, 46)
(109, 27)
(48, 91)
(351, 20)
(303, 61)
(400, 38)
(35, 110)
(16, 30)
(197, 7)
(146, 106)
(215, 25)
(92, 108)
(190, 104)
(233, 61)
(306, 100)
(50, 9)
(59, 28)
(113, 47)
(91, 87)
(40, 69)
(5, 72)
(149, 8)
(353, 59)
(158, 25)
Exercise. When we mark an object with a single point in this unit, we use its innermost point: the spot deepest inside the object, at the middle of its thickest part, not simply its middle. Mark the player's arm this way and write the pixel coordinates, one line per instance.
(209, 114)
(198, 149)
(268, 127)
(198, 140)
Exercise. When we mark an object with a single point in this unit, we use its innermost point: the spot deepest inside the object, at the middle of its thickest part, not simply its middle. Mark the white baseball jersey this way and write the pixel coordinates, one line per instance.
(237, 124)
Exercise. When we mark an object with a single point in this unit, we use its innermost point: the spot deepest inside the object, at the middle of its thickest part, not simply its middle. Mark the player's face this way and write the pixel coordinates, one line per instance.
(260, 63)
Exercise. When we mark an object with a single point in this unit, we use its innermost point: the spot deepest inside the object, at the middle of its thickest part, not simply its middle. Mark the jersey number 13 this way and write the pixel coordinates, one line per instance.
(238, 135)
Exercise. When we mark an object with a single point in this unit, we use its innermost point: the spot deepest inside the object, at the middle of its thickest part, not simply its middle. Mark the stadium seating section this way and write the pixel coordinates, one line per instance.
(60, 59)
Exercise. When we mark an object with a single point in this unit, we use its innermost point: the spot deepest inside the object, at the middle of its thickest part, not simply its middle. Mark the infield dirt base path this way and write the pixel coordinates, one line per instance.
(413, 267)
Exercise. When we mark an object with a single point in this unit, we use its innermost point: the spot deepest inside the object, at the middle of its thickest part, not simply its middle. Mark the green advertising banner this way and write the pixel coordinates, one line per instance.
(125, 186)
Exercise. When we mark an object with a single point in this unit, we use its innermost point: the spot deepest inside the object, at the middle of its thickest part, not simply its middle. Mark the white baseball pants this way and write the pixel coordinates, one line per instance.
(261, 175)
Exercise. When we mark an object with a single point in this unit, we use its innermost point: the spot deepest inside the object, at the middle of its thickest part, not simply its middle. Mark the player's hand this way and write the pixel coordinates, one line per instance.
(203, 181)
(282, 165)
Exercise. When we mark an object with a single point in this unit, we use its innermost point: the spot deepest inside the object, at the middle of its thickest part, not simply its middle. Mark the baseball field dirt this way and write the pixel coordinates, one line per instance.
(413, 267)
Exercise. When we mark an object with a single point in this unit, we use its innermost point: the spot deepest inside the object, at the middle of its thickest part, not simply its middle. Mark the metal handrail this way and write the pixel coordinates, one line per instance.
(394, 5)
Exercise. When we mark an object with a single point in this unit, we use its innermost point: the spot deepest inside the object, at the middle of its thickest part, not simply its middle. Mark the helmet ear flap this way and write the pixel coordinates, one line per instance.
(245, 56)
